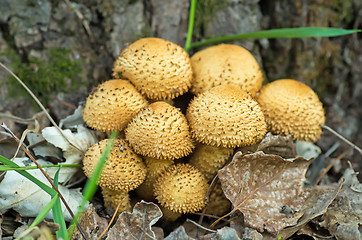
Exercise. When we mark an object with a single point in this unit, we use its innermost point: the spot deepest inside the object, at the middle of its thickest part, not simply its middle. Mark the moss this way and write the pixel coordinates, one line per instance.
(58, 73)
(205, 10)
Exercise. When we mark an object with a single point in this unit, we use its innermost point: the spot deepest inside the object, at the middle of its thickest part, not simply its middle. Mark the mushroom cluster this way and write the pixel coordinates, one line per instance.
(170, 157)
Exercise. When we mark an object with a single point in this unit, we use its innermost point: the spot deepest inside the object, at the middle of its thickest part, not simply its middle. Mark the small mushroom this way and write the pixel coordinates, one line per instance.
(123, 171)
(158, 68)
(160, 131)
(209, 159)
(112, 105)
(154, 168)
(225, 63)
(226, 116)
(218, 204)
(292, 107)
(181, 188)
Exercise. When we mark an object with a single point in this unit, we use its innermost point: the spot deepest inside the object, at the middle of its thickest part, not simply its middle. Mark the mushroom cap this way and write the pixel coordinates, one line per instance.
(181, 188)
(123, 170)
(112, 105)
(218, 204)
(209, 159)
(226, 116)
(113, 197)
(160, 131)
(225, 63)
(158, 68)
(292, 107)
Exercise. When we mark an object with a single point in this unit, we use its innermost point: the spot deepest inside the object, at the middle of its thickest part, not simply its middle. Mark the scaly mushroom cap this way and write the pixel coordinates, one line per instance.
(112, 198)
(158, 68)
(154, 168)
(112, 105)
(160, 131)
(123, 170)
(181, 188)
(209, 159)
(292, 107)
(225, 63)
(226, 116)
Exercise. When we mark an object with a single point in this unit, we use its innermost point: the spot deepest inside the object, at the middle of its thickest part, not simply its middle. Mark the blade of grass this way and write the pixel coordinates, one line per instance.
(191, 25)
(91, 185)
(42, 185)
(58, 213)
(8, 168)
(282, 33)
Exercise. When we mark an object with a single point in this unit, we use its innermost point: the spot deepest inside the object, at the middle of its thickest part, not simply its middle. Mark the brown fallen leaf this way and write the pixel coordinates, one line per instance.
(278, 145)
(91, 223)
(136, 225)
(320, 197)
(344, 215)
(266, 188)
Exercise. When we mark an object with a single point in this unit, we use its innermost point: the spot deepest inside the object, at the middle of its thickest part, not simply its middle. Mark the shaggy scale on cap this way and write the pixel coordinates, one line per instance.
(226, 116)
(123, 170)
(225, 63)
(209, 159)
(112, 105)
(292, 107)
(160, 131)
(158, 68)
(181, 188)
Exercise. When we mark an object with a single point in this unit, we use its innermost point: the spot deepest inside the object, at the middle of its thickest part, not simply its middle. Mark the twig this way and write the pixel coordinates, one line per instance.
(329, 167)
(342, 138)
(200, 226)
(65, 103)
(46, 176)
(112, 219)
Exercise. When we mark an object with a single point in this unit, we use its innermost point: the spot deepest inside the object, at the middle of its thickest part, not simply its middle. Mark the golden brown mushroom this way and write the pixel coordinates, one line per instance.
(292, 107)
(160, 131)
(158, 68)
(181, 188)
(112, 105)
(226, 116)
(225, 63)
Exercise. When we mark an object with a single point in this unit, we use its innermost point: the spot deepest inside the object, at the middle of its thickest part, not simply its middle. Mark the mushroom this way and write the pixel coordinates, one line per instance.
(154, 168)
(209, 159)
(218, 204)
(181, 188)
(226, 116)
(122, 172)
(160, 131)
(292, 107)
(225, 63)
(112, 105)
(158, 68)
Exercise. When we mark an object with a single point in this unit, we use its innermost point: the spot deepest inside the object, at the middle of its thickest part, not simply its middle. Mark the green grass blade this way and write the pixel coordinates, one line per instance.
(302, 32)
(42, 185)
(44, 212)
(7, 168)
(58, 213)
(191, 25)
(91, 185)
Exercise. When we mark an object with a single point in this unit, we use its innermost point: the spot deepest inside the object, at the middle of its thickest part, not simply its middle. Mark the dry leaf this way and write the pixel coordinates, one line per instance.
(344, 215)
(179, 234)
(307, 150)
(225, 233)
(91, 223)
(320, 197)
(266, 188)
(278, 145)
(136, 225)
